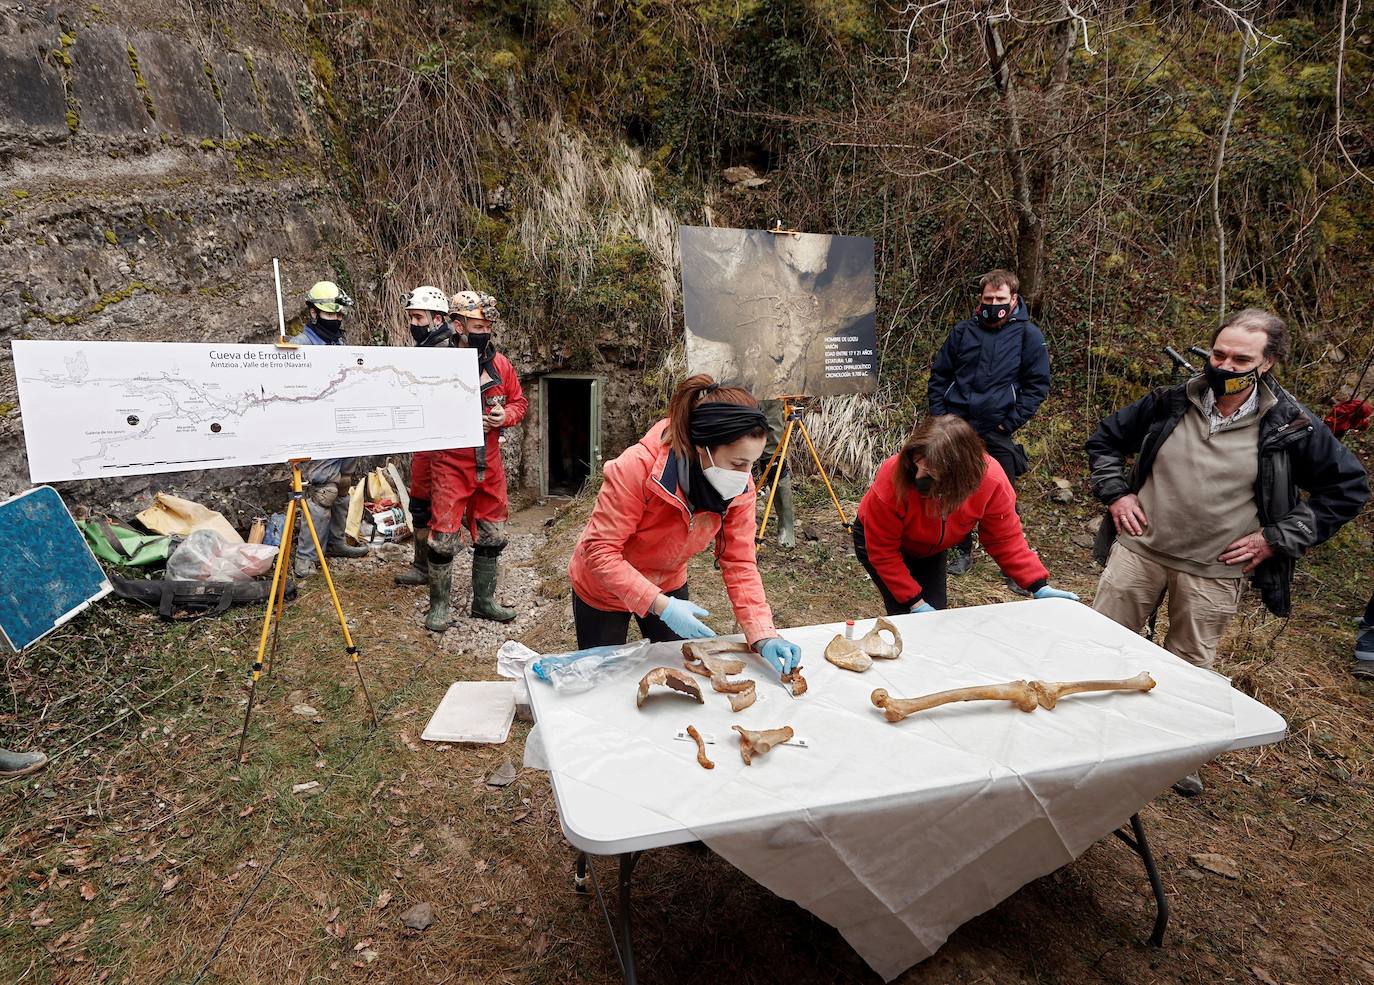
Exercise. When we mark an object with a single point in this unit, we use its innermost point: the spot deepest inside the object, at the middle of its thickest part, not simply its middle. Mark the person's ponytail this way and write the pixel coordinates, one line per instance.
(699, 388)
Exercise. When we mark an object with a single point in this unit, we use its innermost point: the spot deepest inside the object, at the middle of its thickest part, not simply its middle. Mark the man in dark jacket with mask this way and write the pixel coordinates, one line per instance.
(994, 372)
(1213, 494)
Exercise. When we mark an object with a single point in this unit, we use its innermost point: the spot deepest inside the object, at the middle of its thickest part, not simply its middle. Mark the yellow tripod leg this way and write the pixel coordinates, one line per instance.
(285, 549)
(780, 456)
(338, 608)
(268, 622)
(824, 475)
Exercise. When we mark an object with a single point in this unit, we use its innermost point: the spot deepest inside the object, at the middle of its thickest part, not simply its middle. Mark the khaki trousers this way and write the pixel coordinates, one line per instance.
(1200, 608)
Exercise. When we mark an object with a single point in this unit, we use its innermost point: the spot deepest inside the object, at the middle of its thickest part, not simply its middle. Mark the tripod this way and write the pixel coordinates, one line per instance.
(271, 620)
(793, 409)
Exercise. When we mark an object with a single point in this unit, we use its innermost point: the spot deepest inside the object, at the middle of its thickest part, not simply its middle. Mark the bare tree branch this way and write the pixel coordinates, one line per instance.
(1216, 175)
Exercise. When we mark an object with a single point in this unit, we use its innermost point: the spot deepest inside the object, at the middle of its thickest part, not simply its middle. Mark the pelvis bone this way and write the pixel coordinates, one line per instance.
(858, 655)
(1026, 695)
(711, 658)
(673, 678)
(753, 744)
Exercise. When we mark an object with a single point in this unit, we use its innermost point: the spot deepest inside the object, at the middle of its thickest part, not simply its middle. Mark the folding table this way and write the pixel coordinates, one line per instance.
(989, 796)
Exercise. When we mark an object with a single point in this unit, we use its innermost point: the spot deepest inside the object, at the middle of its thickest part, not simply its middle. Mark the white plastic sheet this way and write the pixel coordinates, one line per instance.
(896, 833)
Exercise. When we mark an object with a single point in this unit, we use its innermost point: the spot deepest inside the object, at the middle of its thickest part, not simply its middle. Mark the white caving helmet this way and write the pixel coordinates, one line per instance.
(427, 298)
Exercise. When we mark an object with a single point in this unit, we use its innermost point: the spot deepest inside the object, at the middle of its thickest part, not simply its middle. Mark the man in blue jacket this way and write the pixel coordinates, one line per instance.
(994, 372)
(328, 479)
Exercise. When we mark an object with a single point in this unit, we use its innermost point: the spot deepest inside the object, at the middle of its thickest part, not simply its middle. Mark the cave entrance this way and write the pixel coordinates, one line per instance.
(570, 411)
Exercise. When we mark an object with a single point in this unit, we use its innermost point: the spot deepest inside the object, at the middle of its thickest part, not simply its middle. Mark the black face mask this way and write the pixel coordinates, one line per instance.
(440, 333)
(479, 341)
(1227, 383)
(329, 329)
(994, 314)
(924, 484)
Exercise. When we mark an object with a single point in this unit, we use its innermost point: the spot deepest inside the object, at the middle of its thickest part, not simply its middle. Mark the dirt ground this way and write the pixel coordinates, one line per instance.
(145, 854)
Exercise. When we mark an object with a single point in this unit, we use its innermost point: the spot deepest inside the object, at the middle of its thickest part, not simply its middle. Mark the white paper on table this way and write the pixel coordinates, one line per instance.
(896, 834)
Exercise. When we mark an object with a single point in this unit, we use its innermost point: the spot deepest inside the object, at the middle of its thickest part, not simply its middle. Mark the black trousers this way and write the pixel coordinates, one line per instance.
(929, 573)
(596, 627)
(1005, 452)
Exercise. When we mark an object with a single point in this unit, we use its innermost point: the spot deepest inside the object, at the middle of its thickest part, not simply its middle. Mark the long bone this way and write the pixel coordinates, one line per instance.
(1026, 695)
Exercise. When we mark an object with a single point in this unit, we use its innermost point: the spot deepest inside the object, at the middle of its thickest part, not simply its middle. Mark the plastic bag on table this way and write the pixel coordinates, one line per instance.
(207, 556)
(583, 670)
(510, 662)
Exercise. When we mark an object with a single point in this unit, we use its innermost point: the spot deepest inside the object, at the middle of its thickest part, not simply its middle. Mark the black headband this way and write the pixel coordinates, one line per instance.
(717, 423)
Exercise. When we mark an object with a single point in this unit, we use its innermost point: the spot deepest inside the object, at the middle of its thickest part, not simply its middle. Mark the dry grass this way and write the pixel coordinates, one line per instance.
(156, 798)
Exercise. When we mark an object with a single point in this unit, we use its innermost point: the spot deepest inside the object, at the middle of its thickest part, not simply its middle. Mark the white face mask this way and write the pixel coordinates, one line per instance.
(728, 482)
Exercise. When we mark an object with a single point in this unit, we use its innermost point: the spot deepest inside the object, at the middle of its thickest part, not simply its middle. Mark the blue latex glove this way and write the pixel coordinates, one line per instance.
(1054, 593)
(681, 617)
(923, 607)
(781, 655)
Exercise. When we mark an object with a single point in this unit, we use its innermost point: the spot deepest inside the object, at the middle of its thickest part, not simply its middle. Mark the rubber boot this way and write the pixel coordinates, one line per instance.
(440, 588)
(787, 513)
(418, 572)
(484, 604)
(14, 764)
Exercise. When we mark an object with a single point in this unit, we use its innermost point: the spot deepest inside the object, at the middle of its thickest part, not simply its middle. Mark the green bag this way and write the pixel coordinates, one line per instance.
(117, 544)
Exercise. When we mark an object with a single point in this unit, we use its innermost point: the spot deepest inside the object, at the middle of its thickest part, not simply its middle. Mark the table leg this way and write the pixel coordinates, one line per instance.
(621, 931)
(1142, 848)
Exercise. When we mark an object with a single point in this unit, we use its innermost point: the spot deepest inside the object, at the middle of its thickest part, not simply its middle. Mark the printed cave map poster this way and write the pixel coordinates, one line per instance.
(781, 314)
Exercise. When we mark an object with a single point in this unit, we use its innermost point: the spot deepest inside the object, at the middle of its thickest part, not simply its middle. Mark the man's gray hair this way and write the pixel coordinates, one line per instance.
(1259, 320)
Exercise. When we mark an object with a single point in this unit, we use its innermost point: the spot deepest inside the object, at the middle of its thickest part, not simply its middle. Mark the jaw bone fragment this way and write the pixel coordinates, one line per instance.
(878, 648)
(705, 762)
(708, 658)
(847, 655)
(1026, 695)
(795, 682)
(753, 744)
(673, 678)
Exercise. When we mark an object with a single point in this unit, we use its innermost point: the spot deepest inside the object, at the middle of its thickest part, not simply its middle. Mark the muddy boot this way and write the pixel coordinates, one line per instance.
(14, 764)
(484, 604)
(418, 572)
(440, 587)
(787, 514)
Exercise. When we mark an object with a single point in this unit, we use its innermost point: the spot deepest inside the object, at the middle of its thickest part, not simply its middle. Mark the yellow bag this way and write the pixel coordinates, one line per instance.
(379, 488)
(352, 527)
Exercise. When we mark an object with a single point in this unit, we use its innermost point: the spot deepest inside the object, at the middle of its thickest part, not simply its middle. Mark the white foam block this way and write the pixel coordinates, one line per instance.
(473, 711)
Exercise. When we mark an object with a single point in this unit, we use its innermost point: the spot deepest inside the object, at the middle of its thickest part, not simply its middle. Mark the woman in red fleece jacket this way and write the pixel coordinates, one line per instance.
(685, 485)
(927, 498)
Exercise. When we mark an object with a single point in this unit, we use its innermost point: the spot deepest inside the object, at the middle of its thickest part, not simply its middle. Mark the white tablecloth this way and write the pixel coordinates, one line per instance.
(896, 834)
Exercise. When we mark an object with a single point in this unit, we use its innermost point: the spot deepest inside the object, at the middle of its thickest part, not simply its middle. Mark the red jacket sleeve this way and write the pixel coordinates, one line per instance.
(740, 569)
(1000, 533)
(516, 404)
(883, 523)
(615, 519)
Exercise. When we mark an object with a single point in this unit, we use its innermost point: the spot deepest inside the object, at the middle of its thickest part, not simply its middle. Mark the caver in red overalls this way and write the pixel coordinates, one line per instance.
(468, 485)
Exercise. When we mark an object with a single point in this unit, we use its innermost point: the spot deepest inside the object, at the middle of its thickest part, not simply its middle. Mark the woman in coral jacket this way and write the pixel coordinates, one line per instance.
(684, 485)
(926, 499)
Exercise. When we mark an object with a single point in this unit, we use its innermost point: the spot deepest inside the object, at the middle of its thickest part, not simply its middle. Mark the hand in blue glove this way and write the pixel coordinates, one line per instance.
(1054, 593)
(923, 607)
(781, 655)
(681, 617)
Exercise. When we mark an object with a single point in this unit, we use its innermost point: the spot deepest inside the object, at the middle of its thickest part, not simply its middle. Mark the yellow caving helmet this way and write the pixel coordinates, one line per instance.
(326, 296)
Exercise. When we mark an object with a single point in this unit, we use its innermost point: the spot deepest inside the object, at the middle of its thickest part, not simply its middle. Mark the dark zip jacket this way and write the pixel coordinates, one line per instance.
(1296, 452)
(991, 377)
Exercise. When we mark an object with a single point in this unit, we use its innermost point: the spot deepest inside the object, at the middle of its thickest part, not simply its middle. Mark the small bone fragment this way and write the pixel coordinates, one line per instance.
(706, 763)
(1026, 695)
(847, 655)
(878, 648)
(753, 744)
(673, 678)
(795, 682)
(707, 658)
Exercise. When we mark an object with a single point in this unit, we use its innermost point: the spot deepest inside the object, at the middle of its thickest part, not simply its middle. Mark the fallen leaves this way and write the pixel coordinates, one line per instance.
(1222, 865)
(383, 900)
(170, 884)
(1263, 976)
(87, 892)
